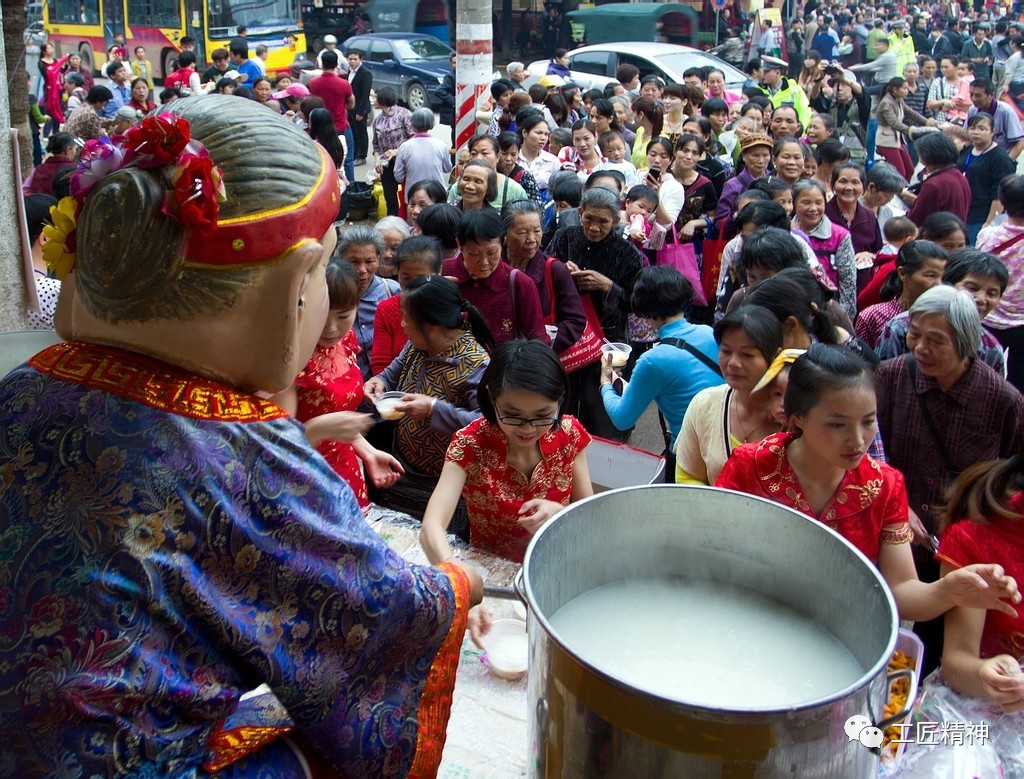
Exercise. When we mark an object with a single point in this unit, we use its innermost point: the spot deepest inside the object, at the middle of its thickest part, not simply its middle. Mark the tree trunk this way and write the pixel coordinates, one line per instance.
(17, 78)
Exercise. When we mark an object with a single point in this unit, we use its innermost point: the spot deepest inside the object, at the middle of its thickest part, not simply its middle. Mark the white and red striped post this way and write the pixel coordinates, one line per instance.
(473, 45)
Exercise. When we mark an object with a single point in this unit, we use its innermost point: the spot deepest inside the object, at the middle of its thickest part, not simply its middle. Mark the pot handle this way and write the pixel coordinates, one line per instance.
(517, 586)
(910, 674)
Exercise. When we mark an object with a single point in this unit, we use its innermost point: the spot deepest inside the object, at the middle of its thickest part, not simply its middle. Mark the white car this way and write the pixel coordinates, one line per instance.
(594, 66)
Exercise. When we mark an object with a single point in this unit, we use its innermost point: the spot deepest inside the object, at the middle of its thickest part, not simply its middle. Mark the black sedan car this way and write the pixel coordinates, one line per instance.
(413, 65)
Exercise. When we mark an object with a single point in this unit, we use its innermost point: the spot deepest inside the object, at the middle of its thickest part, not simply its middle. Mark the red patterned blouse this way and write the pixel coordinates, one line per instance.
(495, 492)
(331, 382)
(999, 541)
(868, 509)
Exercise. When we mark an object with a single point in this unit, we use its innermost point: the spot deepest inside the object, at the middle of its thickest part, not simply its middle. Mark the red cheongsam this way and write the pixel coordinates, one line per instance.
(331, 382)
(996, 540)
(868, 509)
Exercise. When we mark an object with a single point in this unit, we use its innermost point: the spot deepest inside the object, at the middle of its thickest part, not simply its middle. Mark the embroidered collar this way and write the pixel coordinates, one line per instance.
(859, 487)
(157, 384)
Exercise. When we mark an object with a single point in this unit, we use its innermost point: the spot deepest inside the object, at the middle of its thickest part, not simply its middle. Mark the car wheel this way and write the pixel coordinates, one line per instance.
(415, 96)
(170, 59)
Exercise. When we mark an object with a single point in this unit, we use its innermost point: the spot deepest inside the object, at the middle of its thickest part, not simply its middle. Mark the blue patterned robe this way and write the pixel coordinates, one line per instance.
(167, 543)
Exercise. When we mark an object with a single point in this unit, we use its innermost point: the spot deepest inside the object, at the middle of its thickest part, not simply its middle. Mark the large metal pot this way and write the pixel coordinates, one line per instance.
(584, 722)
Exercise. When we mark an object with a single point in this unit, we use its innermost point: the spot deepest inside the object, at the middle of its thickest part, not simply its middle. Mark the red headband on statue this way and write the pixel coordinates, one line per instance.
(255, 238)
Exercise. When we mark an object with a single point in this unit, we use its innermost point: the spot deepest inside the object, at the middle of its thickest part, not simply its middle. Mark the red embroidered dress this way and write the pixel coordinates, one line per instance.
(495, 492)
(997, 540)
(331, 382)
(869, 508)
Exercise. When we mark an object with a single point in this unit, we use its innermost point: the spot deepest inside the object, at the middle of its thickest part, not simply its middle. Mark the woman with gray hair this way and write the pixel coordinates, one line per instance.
(559, 300)
(362, 247)
(394, 230)
(423, 157)
(603, 265)
(940, 410)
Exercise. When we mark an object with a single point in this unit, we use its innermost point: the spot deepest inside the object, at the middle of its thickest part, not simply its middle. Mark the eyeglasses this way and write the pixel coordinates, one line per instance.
(520, 422)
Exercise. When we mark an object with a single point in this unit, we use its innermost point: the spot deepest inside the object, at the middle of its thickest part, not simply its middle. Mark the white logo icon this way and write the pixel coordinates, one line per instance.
(859, 728)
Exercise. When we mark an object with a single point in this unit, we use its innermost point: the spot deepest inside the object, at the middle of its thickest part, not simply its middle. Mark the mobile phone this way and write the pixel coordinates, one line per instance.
(654, 173)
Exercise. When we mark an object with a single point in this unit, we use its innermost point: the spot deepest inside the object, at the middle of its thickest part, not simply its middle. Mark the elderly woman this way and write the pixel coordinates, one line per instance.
(392, 126)
(224, 553)
(394, 230)
(943, 187)
(559, 298)
(756, 152)
(604, 267)
(423, 157)
(941, 410)
(84, 122)
(683, 362)
(477, 187)
(831, 243)
(363, 248)
(845, 209)
(485, 149)
(421, 195)
(507, 299)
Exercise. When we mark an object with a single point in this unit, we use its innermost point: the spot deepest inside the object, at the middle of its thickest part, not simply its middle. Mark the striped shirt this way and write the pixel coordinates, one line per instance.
(423, 158)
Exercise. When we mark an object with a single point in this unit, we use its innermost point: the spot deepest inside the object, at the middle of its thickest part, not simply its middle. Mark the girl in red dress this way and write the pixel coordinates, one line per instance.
(984, 523)
(329, 389)
(518, 465)
(822, 470)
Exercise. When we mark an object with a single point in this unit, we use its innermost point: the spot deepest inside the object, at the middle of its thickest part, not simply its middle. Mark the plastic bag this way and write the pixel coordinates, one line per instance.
(979, 740)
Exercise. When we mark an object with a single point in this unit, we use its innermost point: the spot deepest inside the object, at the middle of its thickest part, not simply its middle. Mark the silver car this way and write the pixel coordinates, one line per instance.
(594, 66)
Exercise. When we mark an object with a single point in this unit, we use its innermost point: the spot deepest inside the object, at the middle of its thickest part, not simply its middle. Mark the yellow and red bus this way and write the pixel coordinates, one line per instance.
(89, 26)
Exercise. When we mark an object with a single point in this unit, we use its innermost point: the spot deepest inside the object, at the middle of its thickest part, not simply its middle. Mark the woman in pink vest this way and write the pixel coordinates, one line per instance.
(831, 243)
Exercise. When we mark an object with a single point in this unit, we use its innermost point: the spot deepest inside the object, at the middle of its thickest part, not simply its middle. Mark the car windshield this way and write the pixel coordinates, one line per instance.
(682, 61)
(261, 17)
(411, 49)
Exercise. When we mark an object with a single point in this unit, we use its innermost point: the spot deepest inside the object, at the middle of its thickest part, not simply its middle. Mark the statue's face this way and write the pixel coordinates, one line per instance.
(312, 304)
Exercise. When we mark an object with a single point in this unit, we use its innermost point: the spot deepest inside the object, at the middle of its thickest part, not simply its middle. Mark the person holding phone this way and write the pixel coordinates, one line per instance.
(658, 176)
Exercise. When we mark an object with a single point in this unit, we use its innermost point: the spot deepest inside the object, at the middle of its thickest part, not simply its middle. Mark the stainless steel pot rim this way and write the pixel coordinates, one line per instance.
(865, 679)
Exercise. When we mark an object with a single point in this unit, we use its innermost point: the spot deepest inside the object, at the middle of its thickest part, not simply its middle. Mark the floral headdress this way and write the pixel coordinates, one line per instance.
(193, 196)
(195, 190)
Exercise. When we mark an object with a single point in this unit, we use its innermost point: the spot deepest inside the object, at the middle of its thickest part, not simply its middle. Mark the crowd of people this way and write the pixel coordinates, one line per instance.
(826, 315)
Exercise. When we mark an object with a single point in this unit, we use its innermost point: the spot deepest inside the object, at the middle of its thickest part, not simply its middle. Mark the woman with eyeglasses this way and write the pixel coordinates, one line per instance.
(518, 465)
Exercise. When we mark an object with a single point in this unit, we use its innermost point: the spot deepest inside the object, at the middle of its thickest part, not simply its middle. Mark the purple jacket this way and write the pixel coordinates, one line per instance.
(731, 192)
(570, 319)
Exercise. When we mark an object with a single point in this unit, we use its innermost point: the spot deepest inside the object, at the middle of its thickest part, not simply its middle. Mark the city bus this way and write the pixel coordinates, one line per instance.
(89, 26)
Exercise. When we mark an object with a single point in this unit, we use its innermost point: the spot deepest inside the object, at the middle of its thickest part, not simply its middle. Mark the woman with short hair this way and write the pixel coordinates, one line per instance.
(392, 126)
(943, 186)
(604, 266)
(422, 157)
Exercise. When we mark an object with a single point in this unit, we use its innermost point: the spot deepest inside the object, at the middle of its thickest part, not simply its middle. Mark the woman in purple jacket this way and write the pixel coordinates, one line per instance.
(523, 220)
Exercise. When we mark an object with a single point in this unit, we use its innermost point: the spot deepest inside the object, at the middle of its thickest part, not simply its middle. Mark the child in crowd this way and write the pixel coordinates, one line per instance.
(613, 147)
(640, 225)
(897, 231)
(982, 650)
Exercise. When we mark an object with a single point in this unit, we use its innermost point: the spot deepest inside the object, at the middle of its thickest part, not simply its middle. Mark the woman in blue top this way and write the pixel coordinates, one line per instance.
(681, 364)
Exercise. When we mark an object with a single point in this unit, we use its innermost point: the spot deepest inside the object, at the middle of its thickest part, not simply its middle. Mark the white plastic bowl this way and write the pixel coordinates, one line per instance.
(386, 405)
(620, 353)
(507, 648)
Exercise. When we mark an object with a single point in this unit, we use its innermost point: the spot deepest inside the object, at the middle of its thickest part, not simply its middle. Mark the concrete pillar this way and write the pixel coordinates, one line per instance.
(12, 288)
(474, 46)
